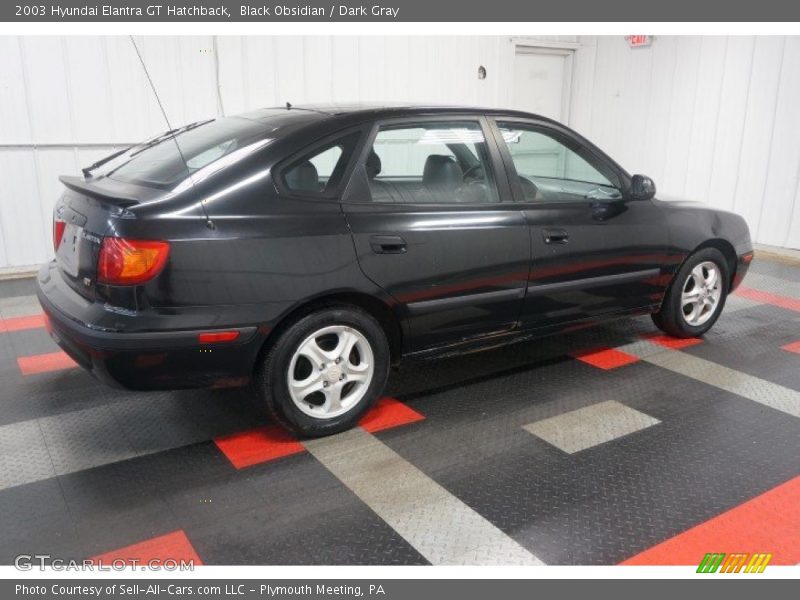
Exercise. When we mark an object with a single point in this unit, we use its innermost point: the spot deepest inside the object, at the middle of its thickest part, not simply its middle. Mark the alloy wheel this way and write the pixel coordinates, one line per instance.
(701, 293)
(331, 371)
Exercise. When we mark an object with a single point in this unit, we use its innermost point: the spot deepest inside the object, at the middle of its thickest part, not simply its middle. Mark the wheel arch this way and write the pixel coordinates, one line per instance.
(721, 244)
(727, 250)
(375, 307)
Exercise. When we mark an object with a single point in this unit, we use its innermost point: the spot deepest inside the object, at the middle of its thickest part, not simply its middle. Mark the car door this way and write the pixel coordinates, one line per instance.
(434, 225)
(595, 250)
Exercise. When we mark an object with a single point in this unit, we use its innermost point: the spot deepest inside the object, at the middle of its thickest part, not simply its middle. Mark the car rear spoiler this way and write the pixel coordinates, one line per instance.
(93, 190)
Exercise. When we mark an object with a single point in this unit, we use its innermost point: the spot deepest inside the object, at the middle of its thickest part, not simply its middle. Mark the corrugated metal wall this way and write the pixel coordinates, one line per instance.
(712, 118)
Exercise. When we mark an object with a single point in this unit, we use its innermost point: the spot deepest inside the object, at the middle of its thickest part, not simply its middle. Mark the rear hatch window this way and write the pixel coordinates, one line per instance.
(159, 163)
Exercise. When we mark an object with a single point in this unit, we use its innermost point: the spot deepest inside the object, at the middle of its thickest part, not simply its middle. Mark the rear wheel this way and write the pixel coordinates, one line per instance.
(325, 371)
(696, 296)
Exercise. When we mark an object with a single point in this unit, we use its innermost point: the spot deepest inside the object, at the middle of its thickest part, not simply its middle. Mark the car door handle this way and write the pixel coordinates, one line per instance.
(555, 236)
(388, 244)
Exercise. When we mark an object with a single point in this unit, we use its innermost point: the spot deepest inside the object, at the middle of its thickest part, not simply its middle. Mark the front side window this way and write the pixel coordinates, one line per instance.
(321, 169)
(431, 163)
(552, 168)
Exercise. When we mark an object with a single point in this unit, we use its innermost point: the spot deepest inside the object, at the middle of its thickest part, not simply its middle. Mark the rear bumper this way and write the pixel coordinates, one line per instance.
(163, 359)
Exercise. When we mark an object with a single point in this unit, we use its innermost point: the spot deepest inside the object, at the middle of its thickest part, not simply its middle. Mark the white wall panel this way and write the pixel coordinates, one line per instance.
(681, 107)
(289, 65)
(14, 117)
(397, 65)
(783, 168)
(372, 68)
(234, 75)
(135, 112)
(45, 79)
(721, 122)
(703, 129)
(88, 89)
(637, 101)
(488, 55)
(711, 118)
(655, 128)
(610, 124)
(729, 117)
(318, 69)
(20, 215)
(583, 70)
(258, 57)
(344, 58)
(759, 125)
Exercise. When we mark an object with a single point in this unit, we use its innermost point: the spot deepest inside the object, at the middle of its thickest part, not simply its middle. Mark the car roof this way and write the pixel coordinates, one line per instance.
(384, 110)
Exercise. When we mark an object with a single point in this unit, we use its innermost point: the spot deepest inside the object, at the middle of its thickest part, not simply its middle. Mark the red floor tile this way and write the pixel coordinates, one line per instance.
(172, 546)
(388, 413)
(20, 323)
(258, 445)
(769, 523)
(673, 343)
(42, 363)
(605, 358)
(793, 347)
(768, 298)
(263, 444)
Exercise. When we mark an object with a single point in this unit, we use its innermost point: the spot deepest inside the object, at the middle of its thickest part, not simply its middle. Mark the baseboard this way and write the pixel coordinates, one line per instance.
(7, 273)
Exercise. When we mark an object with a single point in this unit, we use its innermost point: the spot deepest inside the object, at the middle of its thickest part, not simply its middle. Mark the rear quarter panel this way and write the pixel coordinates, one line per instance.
(265, 255)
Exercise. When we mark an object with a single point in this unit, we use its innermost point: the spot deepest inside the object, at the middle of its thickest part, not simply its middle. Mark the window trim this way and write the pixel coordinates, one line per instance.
(495, 161)
(279, 170)
(557, 131)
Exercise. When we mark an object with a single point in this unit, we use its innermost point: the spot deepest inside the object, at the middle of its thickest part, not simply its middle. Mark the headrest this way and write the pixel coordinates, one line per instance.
(441, 170)
(303, 178)
(373, 164)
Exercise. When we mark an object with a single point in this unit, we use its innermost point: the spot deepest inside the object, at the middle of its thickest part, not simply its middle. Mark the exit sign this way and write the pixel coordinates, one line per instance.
(639, 41)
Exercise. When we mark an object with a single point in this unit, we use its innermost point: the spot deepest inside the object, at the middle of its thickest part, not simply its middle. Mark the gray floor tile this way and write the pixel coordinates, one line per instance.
(23, 455)
(590, 426)
(85, 439)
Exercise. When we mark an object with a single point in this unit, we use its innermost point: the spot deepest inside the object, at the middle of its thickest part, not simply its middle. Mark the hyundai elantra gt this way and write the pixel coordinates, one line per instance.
(307, 249)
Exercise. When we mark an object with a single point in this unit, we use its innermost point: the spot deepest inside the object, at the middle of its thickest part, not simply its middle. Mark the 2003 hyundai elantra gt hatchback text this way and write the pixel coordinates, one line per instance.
(308, 249)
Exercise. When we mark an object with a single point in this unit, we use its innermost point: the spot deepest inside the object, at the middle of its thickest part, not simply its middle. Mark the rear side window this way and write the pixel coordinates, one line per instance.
(431, 163)
(320, 170)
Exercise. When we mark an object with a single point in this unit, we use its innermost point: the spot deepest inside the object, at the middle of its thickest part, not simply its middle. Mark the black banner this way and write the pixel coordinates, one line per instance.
(393, 589)
(399, 11)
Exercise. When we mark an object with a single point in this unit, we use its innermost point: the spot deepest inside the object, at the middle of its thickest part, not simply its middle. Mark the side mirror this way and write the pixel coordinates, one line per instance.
(642, 187)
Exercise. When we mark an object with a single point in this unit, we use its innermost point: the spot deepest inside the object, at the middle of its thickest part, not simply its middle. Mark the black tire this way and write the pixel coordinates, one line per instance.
(271, 376)
(670, 318)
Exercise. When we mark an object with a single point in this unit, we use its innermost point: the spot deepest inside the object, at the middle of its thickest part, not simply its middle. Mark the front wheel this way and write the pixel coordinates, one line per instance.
(696, 296)
(325, 371)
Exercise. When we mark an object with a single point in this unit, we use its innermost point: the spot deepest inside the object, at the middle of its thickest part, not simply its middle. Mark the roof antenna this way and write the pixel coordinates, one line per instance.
(288, 106)
(209, 222)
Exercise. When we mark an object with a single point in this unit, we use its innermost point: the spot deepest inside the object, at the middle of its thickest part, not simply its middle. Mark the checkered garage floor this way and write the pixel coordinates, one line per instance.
(608, 445)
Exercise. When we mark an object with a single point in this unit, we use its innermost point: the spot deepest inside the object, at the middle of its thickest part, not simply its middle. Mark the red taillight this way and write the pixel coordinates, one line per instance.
(58, 232)
(213, 337)
(128, 262)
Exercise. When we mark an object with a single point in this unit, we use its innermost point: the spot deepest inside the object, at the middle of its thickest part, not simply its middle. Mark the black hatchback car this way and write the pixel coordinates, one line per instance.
(308, 249)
